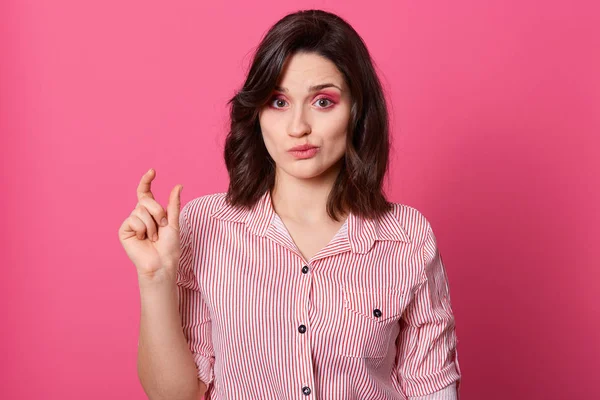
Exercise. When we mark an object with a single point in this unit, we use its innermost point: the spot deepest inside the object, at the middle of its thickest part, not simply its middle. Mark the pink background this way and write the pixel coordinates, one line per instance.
(495, 118)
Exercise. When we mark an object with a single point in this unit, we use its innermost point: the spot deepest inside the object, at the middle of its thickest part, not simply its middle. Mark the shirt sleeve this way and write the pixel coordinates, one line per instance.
(427, 358)
(195, 315)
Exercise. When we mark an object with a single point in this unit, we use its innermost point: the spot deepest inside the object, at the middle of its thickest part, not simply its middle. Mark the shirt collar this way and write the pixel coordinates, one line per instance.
(362, 232)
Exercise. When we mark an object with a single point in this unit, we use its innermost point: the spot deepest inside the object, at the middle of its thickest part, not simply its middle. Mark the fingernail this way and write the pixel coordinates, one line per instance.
(154, 237)
(163, 222)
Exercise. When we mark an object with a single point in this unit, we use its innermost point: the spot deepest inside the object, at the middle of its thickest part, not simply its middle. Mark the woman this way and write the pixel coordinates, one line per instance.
(301, 281)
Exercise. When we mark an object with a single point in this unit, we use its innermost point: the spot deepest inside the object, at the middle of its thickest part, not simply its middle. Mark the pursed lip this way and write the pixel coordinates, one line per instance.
(303, 147)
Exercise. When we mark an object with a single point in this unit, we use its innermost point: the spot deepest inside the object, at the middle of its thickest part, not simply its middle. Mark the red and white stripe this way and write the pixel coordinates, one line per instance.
(243, 296)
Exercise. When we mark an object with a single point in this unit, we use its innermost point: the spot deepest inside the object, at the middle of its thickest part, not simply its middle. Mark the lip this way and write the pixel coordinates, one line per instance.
(310, 152)
(303, 147)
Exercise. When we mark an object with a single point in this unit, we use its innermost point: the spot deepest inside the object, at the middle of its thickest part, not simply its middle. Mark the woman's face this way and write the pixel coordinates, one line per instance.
(310, 106)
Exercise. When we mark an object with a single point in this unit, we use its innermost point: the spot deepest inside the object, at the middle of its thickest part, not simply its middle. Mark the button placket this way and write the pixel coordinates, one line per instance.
(303, 302)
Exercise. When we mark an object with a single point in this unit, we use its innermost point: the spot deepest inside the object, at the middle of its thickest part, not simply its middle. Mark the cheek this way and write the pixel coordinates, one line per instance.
(337, 142)
(337, 131)
(268, 129)
(267, 139)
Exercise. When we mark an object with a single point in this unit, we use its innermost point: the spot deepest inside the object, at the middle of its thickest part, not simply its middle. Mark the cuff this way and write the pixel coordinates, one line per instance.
(424, 385)
(205, 367)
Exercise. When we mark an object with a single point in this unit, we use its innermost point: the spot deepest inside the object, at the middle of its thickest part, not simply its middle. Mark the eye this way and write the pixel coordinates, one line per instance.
(324, 99)
(278, 103)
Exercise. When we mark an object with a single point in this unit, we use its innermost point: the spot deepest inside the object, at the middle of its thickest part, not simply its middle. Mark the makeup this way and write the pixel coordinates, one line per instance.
(305, 154)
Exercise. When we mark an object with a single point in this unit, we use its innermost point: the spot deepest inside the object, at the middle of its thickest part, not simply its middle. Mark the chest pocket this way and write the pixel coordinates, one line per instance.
(370, 321)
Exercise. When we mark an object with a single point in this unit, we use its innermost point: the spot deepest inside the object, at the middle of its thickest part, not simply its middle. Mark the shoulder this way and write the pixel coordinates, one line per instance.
(198, 210)
(412, 220)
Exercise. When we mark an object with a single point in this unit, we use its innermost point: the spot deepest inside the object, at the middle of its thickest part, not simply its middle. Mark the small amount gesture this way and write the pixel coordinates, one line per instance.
(150, 235)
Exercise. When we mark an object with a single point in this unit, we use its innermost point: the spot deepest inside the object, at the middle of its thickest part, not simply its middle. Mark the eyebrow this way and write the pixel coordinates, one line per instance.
(311, 89)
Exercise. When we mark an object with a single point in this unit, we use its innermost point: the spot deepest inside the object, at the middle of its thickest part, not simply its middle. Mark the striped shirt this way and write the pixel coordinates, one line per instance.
(367, 317)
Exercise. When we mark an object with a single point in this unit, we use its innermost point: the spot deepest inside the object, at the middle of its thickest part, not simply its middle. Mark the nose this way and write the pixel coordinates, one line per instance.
(298, 125)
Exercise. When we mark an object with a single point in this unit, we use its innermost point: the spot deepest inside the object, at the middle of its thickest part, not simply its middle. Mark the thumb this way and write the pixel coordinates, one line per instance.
(174, 206)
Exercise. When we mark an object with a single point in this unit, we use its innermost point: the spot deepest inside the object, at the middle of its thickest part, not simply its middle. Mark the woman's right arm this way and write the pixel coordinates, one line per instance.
(165, 365)
(151, 239)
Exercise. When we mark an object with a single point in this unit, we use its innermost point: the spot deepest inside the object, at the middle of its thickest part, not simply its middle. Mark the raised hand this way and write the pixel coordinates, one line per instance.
(150, 235)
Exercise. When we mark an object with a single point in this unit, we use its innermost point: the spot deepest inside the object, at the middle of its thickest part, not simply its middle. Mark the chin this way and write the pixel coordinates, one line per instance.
(306, 172)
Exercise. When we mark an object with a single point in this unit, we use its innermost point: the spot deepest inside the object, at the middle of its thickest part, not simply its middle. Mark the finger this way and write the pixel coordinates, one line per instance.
(143, 189)
(151, 228)
(174, 206)
(137, 226)
(158, 213)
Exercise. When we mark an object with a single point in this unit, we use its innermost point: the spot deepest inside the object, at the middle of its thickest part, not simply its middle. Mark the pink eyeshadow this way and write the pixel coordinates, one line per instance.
(335, 97)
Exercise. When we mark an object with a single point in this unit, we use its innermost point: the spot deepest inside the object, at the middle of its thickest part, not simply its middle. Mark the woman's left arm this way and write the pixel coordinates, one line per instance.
(427, 360)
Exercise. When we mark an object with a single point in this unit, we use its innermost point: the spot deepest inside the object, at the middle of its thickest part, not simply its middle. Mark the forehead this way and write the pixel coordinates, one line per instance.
(302, 70)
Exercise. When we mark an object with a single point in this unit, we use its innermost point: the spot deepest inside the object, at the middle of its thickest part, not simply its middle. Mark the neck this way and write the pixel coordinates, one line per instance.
(303, 200)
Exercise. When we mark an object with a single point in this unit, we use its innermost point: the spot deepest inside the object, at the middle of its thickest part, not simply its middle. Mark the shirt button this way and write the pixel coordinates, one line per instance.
(377, 312)
(306, 390)
(302, 329)
(305, 269)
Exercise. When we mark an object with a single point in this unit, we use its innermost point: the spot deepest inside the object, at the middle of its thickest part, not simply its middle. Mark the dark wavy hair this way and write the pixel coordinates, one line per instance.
(358, 186)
